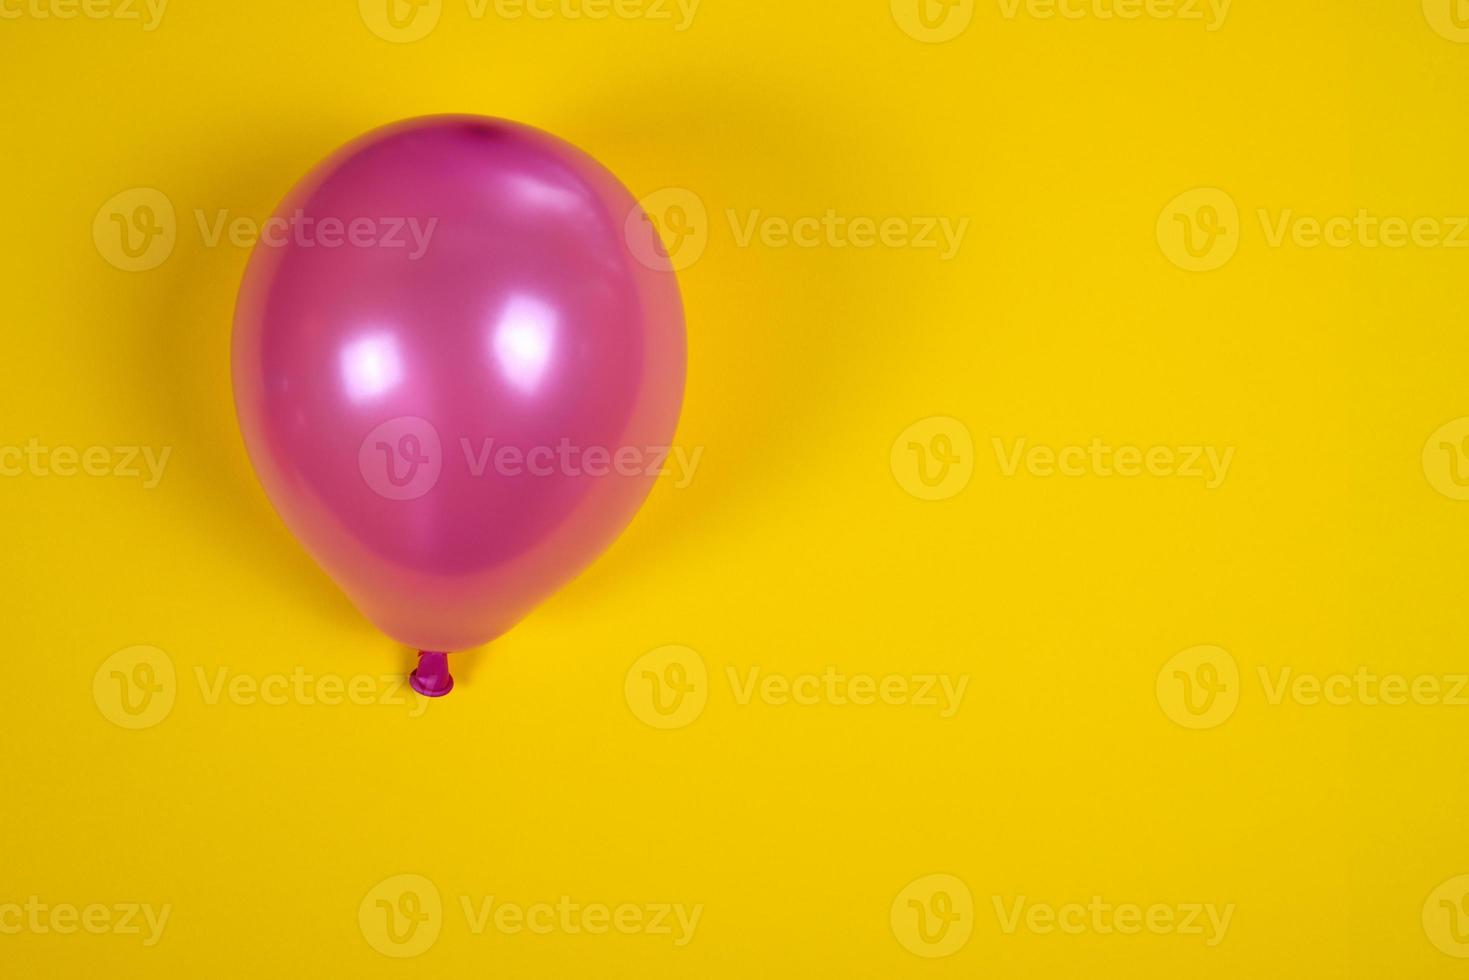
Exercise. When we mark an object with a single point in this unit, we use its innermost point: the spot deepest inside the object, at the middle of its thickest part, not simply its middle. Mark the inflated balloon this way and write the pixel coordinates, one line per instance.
(457, 366)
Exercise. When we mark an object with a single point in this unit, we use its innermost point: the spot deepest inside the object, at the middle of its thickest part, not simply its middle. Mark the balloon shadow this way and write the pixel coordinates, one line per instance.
(769, 350)
(181, 362)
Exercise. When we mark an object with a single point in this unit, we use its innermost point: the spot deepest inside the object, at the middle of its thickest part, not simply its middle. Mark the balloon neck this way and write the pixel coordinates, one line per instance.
(431, 677)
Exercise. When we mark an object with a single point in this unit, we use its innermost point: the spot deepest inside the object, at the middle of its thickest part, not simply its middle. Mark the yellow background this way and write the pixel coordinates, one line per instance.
(1333, 544)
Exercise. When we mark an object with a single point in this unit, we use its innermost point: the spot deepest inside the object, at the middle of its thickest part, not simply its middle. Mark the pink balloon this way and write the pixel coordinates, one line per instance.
(458, 358)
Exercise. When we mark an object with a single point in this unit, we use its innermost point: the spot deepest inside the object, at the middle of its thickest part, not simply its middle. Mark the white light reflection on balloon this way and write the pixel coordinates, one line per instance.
(371, 366)
(537, 193)
(522, 339)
